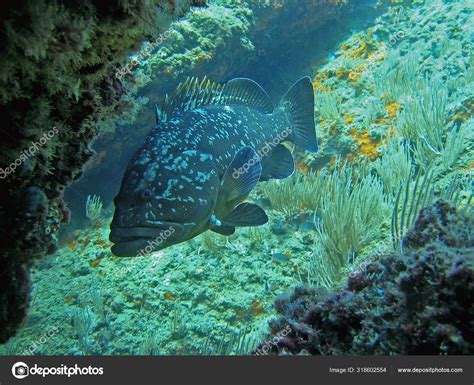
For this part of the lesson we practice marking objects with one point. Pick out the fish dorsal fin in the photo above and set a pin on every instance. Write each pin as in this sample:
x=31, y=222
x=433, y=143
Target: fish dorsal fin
x=190, y=94
x=194, y=93
x=158, y=115
x=247, y=92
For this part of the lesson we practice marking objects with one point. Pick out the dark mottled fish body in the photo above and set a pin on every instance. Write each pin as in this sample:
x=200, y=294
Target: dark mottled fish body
x=210, y=147
x=220, y=131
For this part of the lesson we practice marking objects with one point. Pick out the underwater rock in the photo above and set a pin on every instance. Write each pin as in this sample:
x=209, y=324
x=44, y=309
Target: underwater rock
x=421, y=302
x=30, y=235
x=15, y=298
x=57, y=85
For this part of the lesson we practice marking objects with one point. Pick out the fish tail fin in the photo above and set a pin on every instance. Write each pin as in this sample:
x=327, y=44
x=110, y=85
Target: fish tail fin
x=297, y=108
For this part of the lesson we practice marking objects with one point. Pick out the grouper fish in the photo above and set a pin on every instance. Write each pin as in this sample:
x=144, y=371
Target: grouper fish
x=211, y=145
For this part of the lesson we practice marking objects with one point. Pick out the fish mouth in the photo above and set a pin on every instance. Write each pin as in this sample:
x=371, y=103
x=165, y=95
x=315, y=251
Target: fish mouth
x=142, y=240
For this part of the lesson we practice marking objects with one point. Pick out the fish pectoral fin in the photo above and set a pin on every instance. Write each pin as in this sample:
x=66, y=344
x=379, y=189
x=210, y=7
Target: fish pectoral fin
x=224, y=230
x=279, y=165
x=242, y=174
x=246, y=214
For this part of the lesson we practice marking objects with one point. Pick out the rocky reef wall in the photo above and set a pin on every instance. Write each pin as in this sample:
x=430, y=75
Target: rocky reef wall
x=57, y=84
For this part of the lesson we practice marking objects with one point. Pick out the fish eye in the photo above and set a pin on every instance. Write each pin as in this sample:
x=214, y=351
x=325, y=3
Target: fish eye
x=145, y=195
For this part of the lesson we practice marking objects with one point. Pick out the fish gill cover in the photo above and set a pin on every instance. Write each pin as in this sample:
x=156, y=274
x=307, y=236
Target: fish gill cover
x=356, y=227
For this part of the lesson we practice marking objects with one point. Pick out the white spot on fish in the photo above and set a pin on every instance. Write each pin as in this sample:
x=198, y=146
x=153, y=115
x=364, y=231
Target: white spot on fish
x=201, y=177
x=204, y=157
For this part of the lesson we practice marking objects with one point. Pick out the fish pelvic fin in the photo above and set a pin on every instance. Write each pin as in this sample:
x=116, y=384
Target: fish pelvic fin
x=297, y=108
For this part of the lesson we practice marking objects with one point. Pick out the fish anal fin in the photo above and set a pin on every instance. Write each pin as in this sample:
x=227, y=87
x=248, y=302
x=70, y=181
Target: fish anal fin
x=278, y=165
